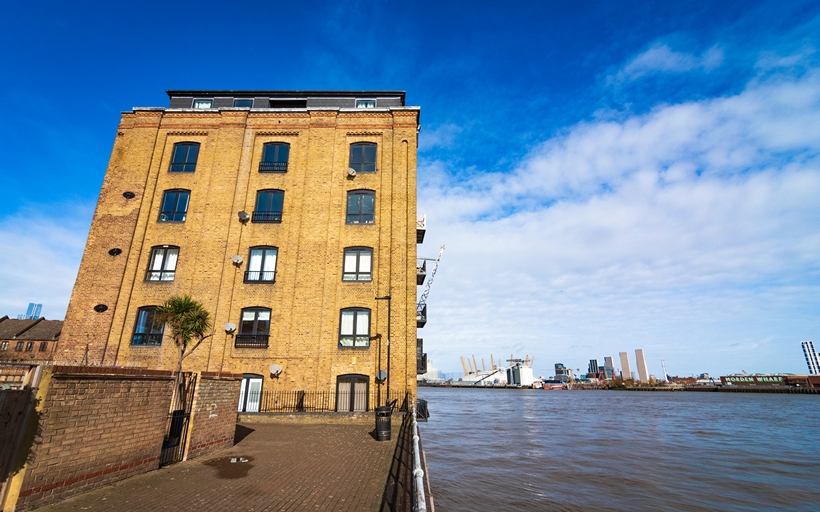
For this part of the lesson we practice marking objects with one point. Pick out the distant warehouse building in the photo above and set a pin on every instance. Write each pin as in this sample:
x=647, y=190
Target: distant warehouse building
x=776, y=379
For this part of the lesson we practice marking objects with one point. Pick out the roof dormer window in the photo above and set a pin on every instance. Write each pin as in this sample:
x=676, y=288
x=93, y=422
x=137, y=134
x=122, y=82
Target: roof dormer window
x=202, y=103
x=365, y=103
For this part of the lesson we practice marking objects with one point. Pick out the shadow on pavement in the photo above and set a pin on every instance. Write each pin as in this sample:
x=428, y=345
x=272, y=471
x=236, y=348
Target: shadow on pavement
x=241, y=433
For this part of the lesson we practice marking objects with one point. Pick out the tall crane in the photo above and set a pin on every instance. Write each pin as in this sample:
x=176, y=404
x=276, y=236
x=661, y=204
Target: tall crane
x=423, y=299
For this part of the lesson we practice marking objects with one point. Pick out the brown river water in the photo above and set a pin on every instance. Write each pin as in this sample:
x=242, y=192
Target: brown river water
x=511, y=450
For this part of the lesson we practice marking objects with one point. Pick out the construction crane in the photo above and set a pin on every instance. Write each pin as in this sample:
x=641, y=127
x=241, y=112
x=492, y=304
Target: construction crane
x=422, y=305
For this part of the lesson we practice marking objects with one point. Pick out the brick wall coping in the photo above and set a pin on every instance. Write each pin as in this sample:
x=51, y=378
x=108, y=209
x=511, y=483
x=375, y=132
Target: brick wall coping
x=221, y=375
x=101, y=372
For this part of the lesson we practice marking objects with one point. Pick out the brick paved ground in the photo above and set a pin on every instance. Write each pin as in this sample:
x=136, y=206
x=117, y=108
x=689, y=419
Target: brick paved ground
x=291, y=467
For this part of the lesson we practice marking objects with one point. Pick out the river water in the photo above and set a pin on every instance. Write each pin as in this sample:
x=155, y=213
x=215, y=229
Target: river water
x=507, y=449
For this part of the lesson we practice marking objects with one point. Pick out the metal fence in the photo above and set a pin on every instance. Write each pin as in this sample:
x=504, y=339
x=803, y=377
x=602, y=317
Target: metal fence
x=322, y=401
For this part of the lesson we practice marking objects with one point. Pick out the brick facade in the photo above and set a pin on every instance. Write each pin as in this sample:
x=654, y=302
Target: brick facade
x=213, y=419
x=308, y=293
x=96, y=426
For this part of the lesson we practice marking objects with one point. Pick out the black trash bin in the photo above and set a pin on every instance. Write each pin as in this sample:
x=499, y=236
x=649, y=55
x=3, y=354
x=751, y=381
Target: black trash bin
x=383, y=423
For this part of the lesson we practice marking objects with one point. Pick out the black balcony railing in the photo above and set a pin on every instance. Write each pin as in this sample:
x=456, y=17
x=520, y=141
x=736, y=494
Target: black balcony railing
x=421, y=273
x=251, y=341
x=160, y=275
x=273, y=167
x=421, y=316
x=256, y=276
x=259, y=216
x=152, y=340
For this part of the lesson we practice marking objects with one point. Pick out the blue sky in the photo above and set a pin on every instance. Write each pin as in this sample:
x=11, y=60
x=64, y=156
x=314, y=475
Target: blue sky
x=606, y=175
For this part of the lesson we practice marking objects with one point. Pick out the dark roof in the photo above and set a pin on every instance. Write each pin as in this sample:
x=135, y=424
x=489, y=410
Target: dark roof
x=40, y=329
x=288, y=94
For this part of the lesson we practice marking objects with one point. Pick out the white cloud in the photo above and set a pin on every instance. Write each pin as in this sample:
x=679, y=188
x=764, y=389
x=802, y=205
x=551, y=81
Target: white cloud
x=691, y=231
x=40, y=256
x=440, y=136
x=660, y=58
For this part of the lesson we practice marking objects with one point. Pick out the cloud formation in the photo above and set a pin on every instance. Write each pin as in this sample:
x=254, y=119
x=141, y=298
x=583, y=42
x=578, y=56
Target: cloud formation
x=692, y=229
x=660, y=58
x=41, y=256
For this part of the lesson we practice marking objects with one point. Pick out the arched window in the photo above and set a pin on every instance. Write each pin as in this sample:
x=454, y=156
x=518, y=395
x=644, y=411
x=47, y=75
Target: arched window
x=184, y=157
x=250, y=392
x=358, y=264
x=163, y=263
x=146, y=331
x=363, y=157
x=354, y=328
x=269, y=206
x=275, y=157
x=361, y=207
x=352, y=393
x=174, y=206
x=261, y=265
x=254, y=328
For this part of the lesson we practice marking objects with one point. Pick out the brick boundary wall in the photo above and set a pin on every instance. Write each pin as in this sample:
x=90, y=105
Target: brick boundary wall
x=213, y=418
x=97, y=425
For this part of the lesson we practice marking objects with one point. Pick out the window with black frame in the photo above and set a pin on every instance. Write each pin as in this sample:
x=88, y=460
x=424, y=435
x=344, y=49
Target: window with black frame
x=147, y=331
x=262, y=265
x=275, y=157
x=163, y=263
x=254, y=328
x=174, y=206
x=184, y=157
x=268, y=206
x=363, y=157
x=358, y=263
x=354, y=328
x=361, y=207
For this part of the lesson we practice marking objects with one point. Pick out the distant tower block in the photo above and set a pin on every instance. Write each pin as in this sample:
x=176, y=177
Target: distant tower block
x=625, y=365
x=640, y=361
x=812, y=359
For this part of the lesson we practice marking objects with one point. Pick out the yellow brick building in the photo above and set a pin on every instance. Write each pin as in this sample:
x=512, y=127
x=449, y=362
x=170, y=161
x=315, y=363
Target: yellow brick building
x=286, y=213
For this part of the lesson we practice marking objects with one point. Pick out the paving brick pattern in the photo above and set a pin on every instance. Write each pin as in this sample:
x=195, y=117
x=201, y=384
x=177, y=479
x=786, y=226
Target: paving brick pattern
x=290, y=467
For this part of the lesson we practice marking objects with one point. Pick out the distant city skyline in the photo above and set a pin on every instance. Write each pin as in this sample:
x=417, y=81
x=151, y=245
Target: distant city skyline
x=605, y=175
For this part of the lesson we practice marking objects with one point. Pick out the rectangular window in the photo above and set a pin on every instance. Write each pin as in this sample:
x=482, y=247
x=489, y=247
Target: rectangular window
x=254, y=329
x=43, y=346
x=243, y=103
x=363, y=157
x=354, y=328
x=261, y=265
x=29, y=346
x=4, y=345
x=275, y=157
x=163, y=263
x=147, y=331
x=19, y=346
x=268, y=206
x=357, y=264
x=174, y=206
x=361, y=205
x=203, y=103
x=365, y=103
x=184, y=157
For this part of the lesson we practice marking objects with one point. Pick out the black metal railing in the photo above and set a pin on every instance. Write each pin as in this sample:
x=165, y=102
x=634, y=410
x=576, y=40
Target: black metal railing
x=256, y=276
x=251, y=341
x=153, y=340
x=319, y=401
x=259, y=216
x=421, y=316
x=421, y=273
x=273, y=167
x=160, y=275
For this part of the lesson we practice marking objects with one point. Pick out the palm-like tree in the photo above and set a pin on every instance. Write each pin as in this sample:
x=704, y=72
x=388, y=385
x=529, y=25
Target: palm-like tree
x=189, y=321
